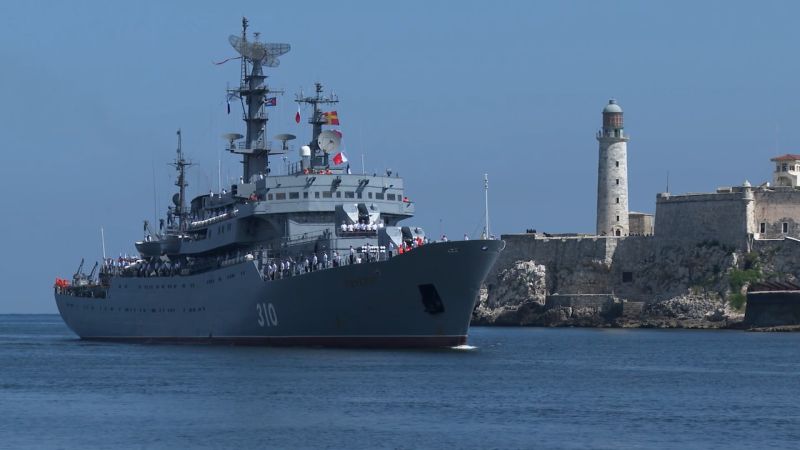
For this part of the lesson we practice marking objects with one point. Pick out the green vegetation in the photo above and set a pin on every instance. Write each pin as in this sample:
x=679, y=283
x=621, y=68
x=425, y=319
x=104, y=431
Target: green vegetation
x=737, y=279
x=751, y=261
x=737, y=300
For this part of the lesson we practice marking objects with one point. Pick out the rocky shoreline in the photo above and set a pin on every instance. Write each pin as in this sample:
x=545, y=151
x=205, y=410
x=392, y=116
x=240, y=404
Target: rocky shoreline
x=519, y=297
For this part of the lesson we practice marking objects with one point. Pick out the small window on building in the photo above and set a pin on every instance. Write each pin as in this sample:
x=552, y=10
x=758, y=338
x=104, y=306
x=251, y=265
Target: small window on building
x=762, y=228
x=616, y=163
x=338, y=194
x=369, y=194
x=305, y=194
x=327, y=194
x=617, y=218
x=349, y=194
x=785, y=227
x=617, y=181
x=627, y=277
x=783, y=168
x=316, y=194
x=379, y=196
x=390, y=196
x=617, y=199
x=280, y=196
x=269, y=196
x=294, y=195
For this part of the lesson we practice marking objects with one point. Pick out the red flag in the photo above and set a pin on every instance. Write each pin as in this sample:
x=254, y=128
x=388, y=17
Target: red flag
x=332, y=117
x=339, y=158
x=297, y=116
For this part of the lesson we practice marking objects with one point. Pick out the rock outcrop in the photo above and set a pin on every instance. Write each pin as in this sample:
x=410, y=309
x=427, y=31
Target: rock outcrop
x=520, y=290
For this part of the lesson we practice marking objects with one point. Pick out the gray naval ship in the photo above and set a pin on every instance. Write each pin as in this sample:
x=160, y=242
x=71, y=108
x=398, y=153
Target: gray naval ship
x=312, y=256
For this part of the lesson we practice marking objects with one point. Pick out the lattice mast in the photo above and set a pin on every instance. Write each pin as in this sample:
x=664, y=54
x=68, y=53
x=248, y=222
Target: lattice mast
x=252, y=92
x=317, y=120
x=180, y=165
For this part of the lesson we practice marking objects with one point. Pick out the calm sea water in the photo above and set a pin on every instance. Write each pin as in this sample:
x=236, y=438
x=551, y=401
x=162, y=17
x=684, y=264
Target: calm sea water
x=517, y=388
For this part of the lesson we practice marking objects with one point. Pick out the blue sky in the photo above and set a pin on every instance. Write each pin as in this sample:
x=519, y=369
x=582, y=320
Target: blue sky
x=440, y=92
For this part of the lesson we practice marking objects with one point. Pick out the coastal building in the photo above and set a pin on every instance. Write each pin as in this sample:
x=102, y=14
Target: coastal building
x=612, y=174
x=735, y=215
x=787, y=170
x=641, y=224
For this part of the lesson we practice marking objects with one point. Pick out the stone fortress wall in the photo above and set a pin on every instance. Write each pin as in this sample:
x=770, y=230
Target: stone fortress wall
x=722, y=216
x=682, y=271
x=774, y=208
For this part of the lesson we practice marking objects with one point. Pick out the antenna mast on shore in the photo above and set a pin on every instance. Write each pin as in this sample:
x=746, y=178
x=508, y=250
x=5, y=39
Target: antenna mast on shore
x=486, y=207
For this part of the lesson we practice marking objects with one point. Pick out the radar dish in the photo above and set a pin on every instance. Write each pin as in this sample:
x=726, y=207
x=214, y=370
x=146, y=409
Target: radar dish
x=329, y=141
x=285, y=137
x=265, y=53
x=230, y=137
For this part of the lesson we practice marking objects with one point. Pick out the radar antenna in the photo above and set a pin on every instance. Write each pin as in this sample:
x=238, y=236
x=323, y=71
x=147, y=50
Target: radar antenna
x=255, y=149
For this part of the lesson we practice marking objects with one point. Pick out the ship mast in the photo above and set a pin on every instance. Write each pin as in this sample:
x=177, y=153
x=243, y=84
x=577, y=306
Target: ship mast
x=180, y=165
x=252, y=90
x=317, y=120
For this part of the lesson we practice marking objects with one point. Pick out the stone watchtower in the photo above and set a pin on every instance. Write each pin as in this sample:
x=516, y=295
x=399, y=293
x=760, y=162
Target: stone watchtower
x=612, y=174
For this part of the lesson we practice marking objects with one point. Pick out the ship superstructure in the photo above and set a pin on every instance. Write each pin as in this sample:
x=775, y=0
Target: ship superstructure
x=314, y=255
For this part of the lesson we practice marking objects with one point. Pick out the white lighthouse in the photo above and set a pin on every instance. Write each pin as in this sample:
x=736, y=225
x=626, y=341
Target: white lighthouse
x=612, y=174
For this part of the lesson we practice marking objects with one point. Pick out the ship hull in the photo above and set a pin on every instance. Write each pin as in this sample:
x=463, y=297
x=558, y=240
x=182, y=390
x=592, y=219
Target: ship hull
x=423, y=298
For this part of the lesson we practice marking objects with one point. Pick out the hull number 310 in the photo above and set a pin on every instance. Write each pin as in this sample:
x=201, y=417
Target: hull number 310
x=267, y=317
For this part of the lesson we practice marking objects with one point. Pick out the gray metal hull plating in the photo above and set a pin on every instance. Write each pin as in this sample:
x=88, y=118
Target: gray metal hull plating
x=370, y=304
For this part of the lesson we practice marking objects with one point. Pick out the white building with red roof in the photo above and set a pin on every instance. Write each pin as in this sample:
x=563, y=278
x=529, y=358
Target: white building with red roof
x=787, y=170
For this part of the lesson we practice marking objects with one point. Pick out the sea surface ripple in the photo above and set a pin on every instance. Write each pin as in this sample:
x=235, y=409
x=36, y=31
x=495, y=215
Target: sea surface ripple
x=510, y=388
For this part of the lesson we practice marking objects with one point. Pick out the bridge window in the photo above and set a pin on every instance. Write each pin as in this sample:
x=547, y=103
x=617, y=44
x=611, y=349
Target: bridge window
x=316, y=194
x=326, y=194
x=350, y=194
x=294, y=195
x=269, y=196
x=379, y=195
x=390, y=196
x=305, y=194
x=280, y=196
x=338, y=194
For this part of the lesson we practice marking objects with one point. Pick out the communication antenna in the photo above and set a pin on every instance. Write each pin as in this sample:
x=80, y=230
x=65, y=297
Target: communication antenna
x=329, y=141
x=284, y=138
x=486, y=200
x=231, y=138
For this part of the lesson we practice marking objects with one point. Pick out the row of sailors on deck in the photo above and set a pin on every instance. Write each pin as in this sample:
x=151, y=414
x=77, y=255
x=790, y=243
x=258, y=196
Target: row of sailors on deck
x=289, y=267
x=361, y=227
x=206, y=214
x=132, y=267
